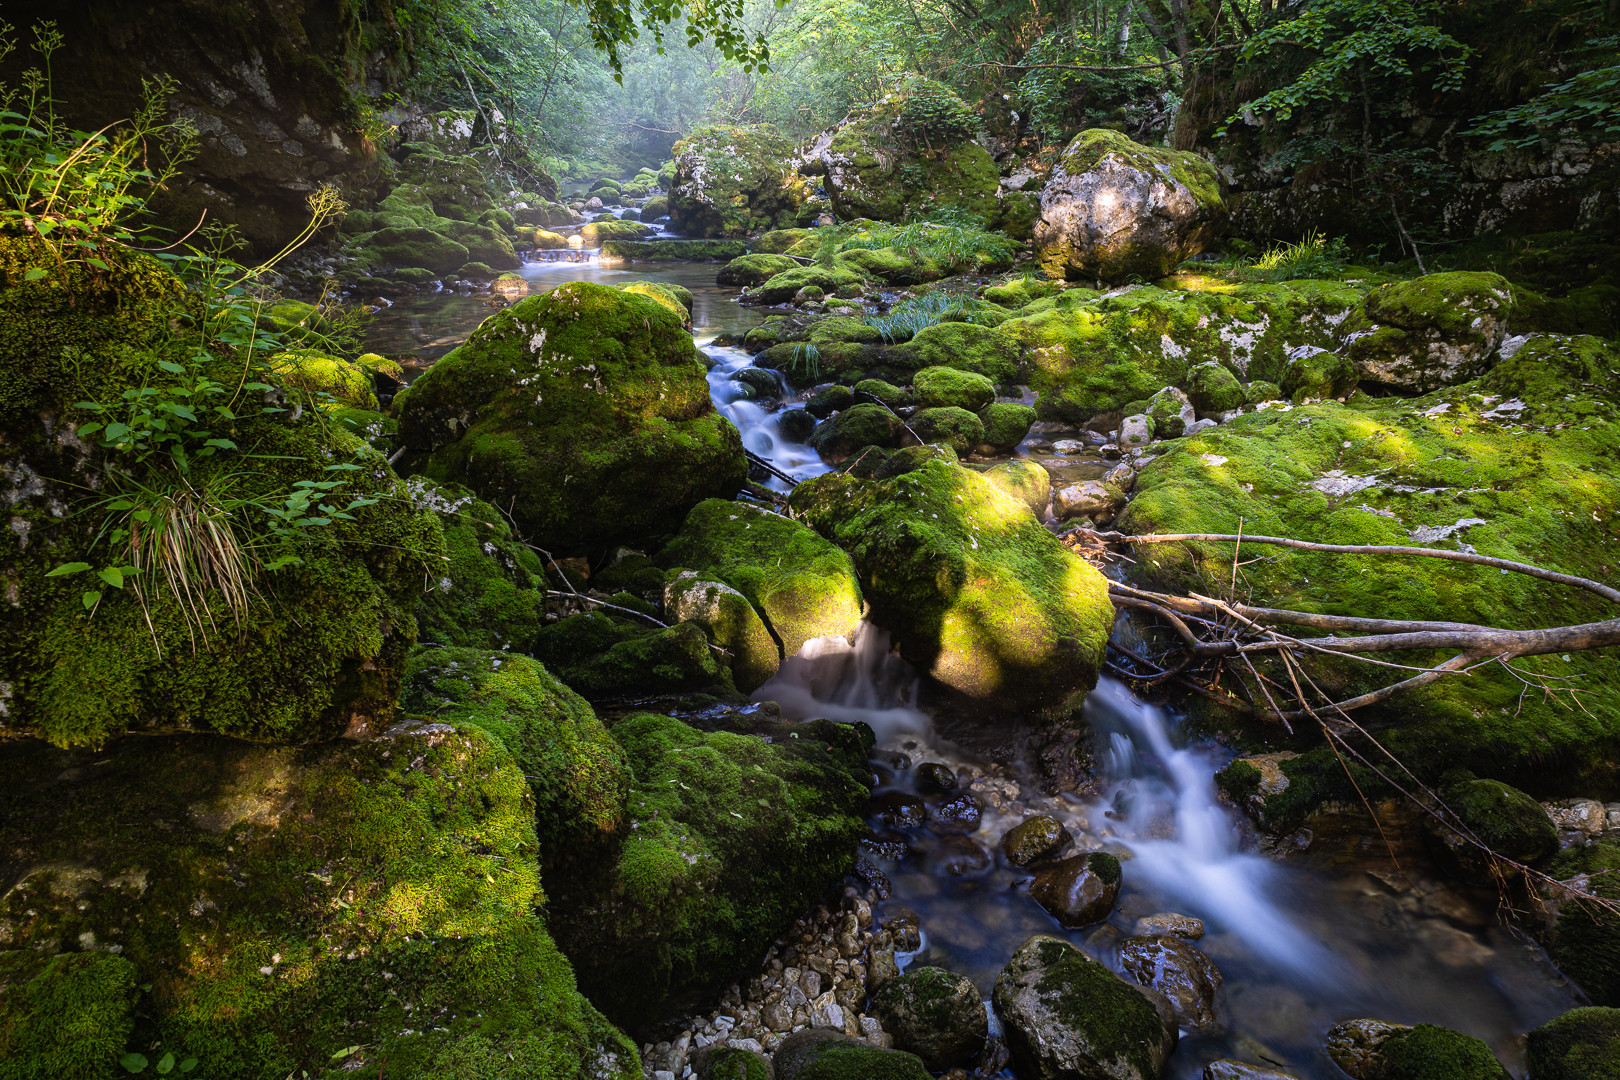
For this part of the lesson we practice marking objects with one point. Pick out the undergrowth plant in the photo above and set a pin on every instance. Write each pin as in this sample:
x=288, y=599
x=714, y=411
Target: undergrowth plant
x=916, y=313
x=956, y=247
x=1314, y=256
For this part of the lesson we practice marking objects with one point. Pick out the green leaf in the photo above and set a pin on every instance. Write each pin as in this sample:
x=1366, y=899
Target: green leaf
x=346, y=1051
x=89, y=600
x=283, y=561
x=345, y=467
x=133, y=1062
x=188, y=1064
x=34, y=275
x=69, y=568
x=166, y=1063
x=112, y=576
x=171, y=367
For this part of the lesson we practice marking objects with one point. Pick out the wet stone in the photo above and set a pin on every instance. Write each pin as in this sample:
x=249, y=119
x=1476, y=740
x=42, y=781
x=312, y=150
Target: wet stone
x=1228, y=1069
x=959, y=814
x=1080, y=890
x=959, y=856
x=932, y=776
x=1178, y=971
x=935, y=1014
x=898, y=810
x=1034, y=839
x=1165, y=922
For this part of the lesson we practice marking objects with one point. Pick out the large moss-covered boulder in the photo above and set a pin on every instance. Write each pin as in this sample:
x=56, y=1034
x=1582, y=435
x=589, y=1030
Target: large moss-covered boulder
x=974, y=590
x=578, y=775
x=754, y=269
x=911, y=154
x=607, y=654
x=981, y=350
x=291, y=910
x=1430, y=332
x=490, y=593
x=935, y=1014
x=732, y=623
x=949, y=426
x=803, y=586
x=731, y=836
x=829, y=279
x=938, y=387
x=418, y=246
x=321, y=637
x=1582, y=1044
x=731, y=181
x=1516, y=465
x=585, y=411
x=1067, y=1016
x=1503, y=818
x=854, y=429
x=1115, y=209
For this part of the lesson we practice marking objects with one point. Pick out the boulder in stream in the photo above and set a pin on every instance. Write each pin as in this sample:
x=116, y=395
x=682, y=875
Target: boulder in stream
x=935, y=1014
x=974, y=589
x=1034, y=839
x=1079, y=890
x=1183, y=974
x=732, y=181
x=1376, y=1050
x=585, y=411
x=1067, y=1017
x=1582, y=1044
x=821, y=1054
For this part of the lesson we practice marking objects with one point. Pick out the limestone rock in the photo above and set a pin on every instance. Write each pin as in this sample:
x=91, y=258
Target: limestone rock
x=731, y=181
x=934, y=1014
x=1430, y=332
x=1033, y=839
x=1175, y=969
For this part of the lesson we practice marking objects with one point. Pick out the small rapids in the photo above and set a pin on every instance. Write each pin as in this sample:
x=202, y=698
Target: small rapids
x=1303, y=943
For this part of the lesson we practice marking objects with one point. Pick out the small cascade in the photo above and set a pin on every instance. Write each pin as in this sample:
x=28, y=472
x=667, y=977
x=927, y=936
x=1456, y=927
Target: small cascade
x=760, y=427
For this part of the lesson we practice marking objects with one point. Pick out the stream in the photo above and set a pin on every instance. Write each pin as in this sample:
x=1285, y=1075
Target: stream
x=1333, y=931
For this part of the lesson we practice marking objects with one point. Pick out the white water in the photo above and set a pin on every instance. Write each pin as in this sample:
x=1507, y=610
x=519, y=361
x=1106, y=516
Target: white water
x=760, y=427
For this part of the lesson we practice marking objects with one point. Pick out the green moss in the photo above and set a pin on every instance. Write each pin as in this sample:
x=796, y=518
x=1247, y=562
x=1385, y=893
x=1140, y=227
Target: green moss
x=484, y=244
x=732, y=1063
x=1431, y=331
x=948, y=426
x=803, y=586
x=1006, y=423
x=856, y=427
x=1021, y=291
x=1428, y=1052
x=887, y=393
x=1536, y=476
x=733, y=181
x=1025, y=481
x=606, y=657
x=677, y=298
x=1213, y=389
x=842, y=329
x=830, y=399
x=596, y=233
x=415, y=246
x=1505, y=819
x=731, y=837
x=585, y=410
x=1582, y=1044
x=971, y=585
x=981, y=350
x=617, y=251
x=1239, y=781
x=753, y=269
x=1585, y=939
x=732, y=623
x=785, y=285
x=333, y=381
x=376, y=430
x=777, y=241
x=66, y=1016
x=284, y=904
x=943, y=387
x=579, y=776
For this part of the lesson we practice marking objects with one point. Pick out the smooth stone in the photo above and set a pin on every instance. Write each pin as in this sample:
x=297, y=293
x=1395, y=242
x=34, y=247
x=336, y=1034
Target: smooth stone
x=1034, y=838
x=1166, y=922
x=1178, y=971
x=932, y=776
x=935, y=1014
x=898, y=809
x=958, y=814
x=1080, y=890
x=1228, y=1069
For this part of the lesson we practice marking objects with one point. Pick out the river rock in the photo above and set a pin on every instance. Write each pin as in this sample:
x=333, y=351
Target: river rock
x=933, y=776
x=1585, y=816
x=944, y=387
x=1230, y=1069
x=935, y=1014
x=898, y=809
x=754, y=269
x=1115, y=209
x=733, y=181
x=975, y=591
x=1181, y=926
x=1027, y=481
x=1084, y=499
x=1505, y=819
x=959, y=856
x=801, y=585
x=584, y=411
x=1582, y=1044
x=1135, y=430
x=730, y=1063
x=1376, y=1050
x=955, y=813
x=1213, y=389
x=1171, y=412
x=731, y=622
x=1429, y=332
x=1175, y=969
x=1067, y=1017
x=1080, y=890
x=1033, y=839
x=852, y=430
x=821, y=1054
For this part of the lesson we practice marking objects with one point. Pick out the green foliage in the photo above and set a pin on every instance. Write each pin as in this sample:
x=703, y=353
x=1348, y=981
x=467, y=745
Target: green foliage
x=914, y=313
x=1314, y=256
x=1586, y=105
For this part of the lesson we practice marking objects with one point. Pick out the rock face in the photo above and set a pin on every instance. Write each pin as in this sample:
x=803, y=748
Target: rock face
x=1583, y=1044
x=731, y=181
x=1115, y=209
x=1080, y=890
x=934, y=1014
x=1178, y=971
x=585, y=410
x=1430, y=332
x=261, y=906
x=802, y=586
x=973, y=588
x=911, y=153
x=1069, y=1018
x=322, y=654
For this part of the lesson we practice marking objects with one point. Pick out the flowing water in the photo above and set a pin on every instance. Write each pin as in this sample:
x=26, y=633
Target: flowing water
x=1336, y=930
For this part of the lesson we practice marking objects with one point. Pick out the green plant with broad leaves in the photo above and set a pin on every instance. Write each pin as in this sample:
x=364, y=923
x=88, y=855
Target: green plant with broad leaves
x=165, y=1065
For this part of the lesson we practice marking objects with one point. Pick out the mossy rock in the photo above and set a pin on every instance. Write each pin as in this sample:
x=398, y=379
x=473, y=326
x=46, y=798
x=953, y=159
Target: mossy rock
x=1430, y=332
x=732, y=623
x=632, y=251
x=1503, y=818
x=1431, y=1052
x=981, y=350
x=67, y=1016
x=754, y=269
x=586, y=410
x=1315, y=374
x=477, y=271
x=1065, y=1014
x=677, y=298
x=885, y=393
x=935, y=1014
x=1026, y=481
x=842, y=329
x=1116, y=210
x=733, y=181
x=491, y=591
x=1213, y=389
x=824, y=1054
x=602, y=230
x=655, y=208
x=786, y=285
x=830, y=399
x=611, y=657
x=1583, y=938
x=365, y=886
x=421, y=247
x=948, y=426
x=816, y=594
x=854, y=429
x=331, y=381
x=500, y=219
x=1006, y=423
x=319, y=649
x=731, y=837
x=545, y=240
x=485, y=244
x=1582, y=1044
x=777, y=241
x=579, y=776
x=944, y=387
x=1021, y=291
x=378, y=431
x=975, y=591
x=1518, y=465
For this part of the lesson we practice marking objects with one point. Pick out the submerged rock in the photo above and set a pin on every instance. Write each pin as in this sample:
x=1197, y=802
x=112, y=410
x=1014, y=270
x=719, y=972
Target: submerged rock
x=934, y=1014
x=586, y=410
x=1069, y=1018
x=1034, y=839
x=973, y=588
x=1115, y=209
